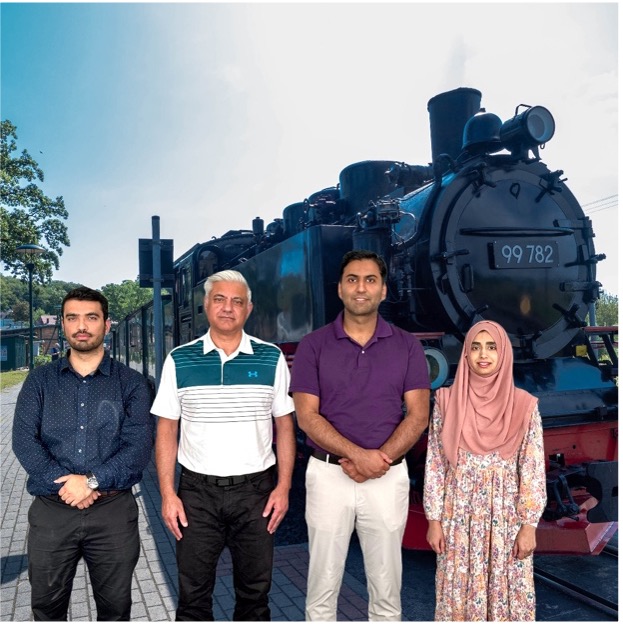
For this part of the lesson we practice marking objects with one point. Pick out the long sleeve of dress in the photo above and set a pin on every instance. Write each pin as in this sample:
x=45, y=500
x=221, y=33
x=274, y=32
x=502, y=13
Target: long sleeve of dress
x=435, y=471
x=531, y=471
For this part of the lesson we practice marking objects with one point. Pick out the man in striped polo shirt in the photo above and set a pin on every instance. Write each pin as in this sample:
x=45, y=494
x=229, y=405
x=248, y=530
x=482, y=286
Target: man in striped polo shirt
x=227, y=389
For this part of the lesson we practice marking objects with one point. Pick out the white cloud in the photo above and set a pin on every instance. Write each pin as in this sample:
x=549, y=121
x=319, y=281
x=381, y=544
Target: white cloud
x=229, y=111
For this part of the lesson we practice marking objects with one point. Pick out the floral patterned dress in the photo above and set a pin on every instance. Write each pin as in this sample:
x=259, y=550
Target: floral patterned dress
x=481, y=504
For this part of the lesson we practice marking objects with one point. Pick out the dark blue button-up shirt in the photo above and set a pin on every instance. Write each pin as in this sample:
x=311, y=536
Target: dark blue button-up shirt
x=66, y=423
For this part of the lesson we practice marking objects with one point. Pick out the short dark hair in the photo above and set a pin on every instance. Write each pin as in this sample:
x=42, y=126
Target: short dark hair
x=364, y=255
x=90, y=295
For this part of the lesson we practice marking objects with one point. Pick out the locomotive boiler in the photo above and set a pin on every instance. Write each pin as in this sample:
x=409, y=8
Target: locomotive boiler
x=485, y=231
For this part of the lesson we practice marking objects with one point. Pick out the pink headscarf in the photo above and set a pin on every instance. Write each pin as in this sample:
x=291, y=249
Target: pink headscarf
x=483, y=414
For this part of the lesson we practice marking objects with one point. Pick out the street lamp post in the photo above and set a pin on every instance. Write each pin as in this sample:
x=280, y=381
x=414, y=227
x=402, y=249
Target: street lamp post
x=59, y=308
x=30, y=252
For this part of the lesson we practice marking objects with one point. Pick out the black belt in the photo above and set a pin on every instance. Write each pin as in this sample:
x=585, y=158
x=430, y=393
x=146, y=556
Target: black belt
x=335, y=460
x=102, y=494
x=224, y=481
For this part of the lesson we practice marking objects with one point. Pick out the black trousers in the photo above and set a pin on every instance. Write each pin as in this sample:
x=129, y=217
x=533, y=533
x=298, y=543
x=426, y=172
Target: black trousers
x=220, y=516
x=105, y=534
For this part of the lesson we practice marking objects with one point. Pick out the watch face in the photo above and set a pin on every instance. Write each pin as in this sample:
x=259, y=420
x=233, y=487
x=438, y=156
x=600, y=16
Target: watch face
x=92, y=482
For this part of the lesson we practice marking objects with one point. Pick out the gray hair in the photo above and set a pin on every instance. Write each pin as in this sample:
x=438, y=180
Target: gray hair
x=226, y=276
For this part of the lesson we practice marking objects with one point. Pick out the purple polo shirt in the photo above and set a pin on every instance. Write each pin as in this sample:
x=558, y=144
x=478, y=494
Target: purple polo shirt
x=360, y=389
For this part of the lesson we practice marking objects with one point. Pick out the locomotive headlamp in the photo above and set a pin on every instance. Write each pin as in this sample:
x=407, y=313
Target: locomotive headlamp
x=528, y=130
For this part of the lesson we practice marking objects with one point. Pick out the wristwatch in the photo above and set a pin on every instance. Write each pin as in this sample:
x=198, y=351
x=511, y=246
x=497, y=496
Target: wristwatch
x=92, y=481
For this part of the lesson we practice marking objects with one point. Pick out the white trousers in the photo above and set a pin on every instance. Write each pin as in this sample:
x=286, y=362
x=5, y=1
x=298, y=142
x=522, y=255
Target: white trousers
x=377, y=509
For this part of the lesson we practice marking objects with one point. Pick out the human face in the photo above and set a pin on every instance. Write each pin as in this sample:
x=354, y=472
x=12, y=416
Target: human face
x=361, y=288
x=227, y=307
x=84, y=325
x=482, y=357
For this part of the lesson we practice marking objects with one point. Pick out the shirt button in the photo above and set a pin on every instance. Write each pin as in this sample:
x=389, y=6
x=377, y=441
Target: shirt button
x=82, y=404
x=84, y=381
x=80, y=450
x=81, y=427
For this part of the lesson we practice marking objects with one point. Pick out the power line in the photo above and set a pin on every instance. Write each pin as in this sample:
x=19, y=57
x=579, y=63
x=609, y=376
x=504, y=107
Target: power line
x=602, y=204
x=599, y=210
x=616, y=195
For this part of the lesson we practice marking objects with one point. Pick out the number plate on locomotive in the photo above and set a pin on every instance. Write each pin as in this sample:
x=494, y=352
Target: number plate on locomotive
x=513, y=254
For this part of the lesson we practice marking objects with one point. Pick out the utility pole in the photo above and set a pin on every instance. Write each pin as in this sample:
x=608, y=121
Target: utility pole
x=157, y=283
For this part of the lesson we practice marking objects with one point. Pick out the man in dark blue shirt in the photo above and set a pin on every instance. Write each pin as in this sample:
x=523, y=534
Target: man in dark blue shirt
x=84, y=434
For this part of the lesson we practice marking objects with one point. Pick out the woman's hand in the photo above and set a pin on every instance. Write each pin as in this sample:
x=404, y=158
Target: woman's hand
x=434, y=536
x=525, y=542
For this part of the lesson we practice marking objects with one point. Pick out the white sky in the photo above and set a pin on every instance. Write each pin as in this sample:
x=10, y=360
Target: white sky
x=209, y=115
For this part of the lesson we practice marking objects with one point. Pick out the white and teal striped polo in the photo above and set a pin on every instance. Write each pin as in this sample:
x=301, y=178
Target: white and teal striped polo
x=226, y=404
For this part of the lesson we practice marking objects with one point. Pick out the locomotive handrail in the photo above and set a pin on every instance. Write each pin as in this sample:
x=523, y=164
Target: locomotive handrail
x=429, y=335
x=600, y=330
x=607, y=334
x=609, y=331
x=516, y=230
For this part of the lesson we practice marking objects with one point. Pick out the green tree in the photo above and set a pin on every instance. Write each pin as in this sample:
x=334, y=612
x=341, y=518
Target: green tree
x=21, y=311
x=48, y=297
x=27, y=215
x=607, y=310
x=12, y=291
x=125, y=298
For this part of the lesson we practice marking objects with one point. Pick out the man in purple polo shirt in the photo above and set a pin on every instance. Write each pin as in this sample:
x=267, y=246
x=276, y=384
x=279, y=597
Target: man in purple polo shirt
x=361, y=391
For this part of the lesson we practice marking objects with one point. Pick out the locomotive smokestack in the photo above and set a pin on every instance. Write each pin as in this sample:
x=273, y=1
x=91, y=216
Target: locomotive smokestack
x=448, y=112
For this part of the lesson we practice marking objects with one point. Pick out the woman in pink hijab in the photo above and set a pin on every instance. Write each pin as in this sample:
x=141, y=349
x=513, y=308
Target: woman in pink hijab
x=484, y=486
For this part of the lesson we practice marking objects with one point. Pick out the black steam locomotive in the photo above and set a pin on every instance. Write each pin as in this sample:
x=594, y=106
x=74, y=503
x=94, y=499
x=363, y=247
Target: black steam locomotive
x=486, y=231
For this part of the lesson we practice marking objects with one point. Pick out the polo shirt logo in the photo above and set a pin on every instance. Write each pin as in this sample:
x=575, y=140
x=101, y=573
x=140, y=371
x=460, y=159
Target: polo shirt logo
x=252, y=374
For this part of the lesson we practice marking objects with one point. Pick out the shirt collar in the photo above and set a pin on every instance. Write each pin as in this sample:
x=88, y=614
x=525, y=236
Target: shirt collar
x=103, y=367
x=244, y=345
x=383, y=328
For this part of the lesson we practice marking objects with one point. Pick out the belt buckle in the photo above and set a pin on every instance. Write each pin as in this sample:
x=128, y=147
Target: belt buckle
x=224, y=481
